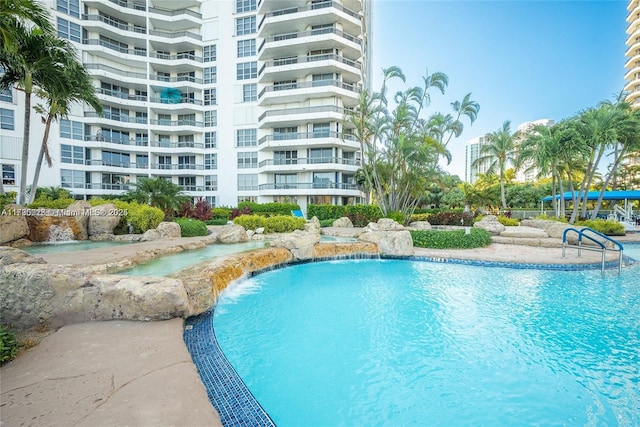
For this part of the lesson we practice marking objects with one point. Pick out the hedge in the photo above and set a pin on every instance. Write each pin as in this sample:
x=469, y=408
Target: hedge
x=274, y=224
x=455, y=239
x=192, y=227
x=269, y=209
x=8, y=345
x=610, y=228
x=48, y=203
x=141, y=217
x=451, y=218
x=360, y=215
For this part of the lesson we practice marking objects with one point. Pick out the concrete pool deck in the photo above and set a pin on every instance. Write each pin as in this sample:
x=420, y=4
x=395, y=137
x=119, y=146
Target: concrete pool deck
x=140, y=373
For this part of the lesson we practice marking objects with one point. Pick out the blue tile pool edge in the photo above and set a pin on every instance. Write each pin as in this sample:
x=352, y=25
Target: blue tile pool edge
x=230, y=396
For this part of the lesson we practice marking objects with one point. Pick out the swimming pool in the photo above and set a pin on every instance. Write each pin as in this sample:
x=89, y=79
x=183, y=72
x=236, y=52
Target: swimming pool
x=412, y=343
x=70, y=246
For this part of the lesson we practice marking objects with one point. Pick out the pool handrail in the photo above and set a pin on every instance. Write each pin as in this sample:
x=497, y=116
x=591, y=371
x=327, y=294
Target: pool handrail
x=603, y=247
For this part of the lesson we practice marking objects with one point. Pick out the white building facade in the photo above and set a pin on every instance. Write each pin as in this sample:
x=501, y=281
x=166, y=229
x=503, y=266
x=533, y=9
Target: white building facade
x=232, y=100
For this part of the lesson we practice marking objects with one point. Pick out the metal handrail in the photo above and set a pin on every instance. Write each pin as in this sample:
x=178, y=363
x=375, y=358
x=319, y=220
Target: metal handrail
x=602, y=246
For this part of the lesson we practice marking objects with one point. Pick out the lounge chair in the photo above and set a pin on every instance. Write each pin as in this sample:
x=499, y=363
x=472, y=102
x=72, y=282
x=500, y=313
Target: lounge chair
x=298, y=213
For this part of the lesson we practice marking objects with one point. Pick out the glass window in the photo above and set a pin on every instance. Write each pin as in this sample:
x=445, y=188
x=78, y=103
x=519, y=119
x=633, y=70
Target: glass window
x=211, y=118
x=285, y=157
x=68, y=30
x=70, y=7
x=71, y=178
x=8, y=175
x=6, y=94
x=210, y=75
x=209, y=53
x=245, y=5
x=321, y=130
x=112, y=158
x=210, y=139
x=246, y=48
x=210, y=97
x=211, y=161
x=249, y=92
x=186, y=162
x=247, y=70
x=142, y=161
x=286, y=181
x=211, y=199
x=247, y=182
x=211, y=184
x=71, y=130
x=6, y=119
x=247, y=160
x=245, y=25
x=252, y=199
x=71, y=154
x=320, y=155
x=280, y=134
x=246, y=138
x=322, y=179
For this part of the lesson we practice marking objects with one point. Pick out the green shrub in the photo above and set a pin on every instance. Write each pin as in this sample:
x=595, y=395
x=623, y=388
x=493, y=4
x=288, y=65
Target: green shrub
x=221, y=213
x=250, y=222
x=8, y=345
x=269, y=209
x=7, y=199
x=508, y=222
x=420, y=217
x=48, y=203
x=396, y=216
x=141, y=217
x=610, y=228
x=455, y=239
x=192, y=227
x=326, y=222
x=360, y=215
x=283, y=224
x=451, y=218
x=551, y=218
x=218, y=221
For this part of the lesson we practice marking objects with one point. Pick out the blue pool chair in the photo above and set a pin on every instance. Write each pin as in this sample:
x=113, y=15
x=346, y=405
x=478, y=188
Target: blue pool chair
x=298, y=214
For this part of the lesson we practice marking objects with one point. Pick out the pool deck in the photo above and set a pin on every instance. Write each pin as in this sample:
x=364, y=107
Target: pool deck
x=140, y=373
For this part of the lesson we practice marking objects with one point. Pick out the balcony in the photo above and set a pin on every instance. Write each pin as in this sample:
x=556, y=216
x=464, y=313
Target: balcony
x=119, y=141
x=112, y=70
x=175, y=34
x=308, y=139
x=299, y=43
x=315, y=188
x=175, y=101
x=292, y=116
x=116, y=50
x=117, y=117
x=289, y=68
x=164, y=144
x=120, y=95
x=106, y=186
x=299, y=18
x=113, y=164
x=172, y=123
x=178, y=57
x=300, y=91
x=119, y=26
x=181, y=166
x=312, y=163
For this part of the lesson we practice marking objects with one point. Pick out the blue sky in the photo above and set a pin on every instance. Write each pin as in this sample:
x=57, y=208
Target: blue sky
x=522, y=60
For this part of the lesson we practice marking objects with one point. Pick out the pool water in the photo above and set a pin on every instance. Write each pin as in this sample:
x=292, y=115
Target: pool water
x=70, y=246
x=168, y=264
x=393, y=342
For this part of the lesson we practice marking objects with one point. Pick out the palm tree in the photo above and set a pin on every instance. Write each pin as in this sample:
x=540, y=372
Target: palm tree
x=36, y=64
x=16, y=14
x=499, y=151
x=159, y=193
x=74, y=85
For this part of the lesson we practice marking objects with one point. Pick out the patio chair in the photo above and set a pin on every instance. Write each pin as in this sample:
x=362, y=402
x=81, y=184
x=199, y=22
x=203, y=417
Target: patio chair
x=298, y=214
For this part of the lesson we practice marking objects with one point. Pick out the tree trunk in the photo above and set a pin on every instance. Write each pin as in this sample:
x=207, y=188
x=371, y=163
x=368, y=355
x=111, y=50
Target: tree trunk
x=36, y=173
x=25, y=145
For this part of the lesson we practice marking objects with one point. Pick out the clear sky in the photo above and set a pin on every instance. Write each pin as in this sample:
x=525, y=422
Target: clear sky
x=521, y=60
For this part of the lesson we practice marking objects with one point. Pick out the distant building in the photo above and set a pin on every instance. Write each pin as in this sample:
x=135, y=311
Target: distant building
x=472, y=151
x=632, y=67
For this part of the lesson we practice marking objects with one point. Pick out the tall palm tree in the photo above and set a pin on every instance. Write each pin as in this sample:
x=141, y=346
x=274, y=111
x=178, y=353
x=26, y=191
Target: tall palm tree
x=21, y=13
x=499, y=151
x=74, y=85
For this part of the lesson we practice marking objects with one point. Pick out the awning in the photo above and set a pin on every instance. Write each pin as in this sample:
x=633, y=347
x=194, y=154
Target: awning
x=608, y=195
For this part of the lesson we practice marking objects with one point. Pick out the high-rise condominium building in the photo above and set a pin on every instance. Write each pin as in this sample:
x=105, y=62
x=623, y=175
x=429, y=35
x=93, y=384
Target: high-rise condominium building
x=232, y=100
x=632, y=54
x=473, y=151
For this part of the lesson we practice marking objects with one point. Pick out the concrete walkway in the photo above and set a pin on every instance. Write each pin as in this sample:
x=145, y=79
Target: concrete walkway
x=123, y=373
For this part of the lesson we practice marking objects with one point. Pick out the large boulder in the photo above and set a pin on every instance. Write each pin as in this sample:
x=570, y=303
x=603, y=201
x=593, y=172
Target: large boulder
x=232, y=233
x=47, y=225
x=103, y=219
x=150, y=235
x=300, y=243
x=421, y=225
x=491, y=224
x=524, y=232
x=169, y=230
x=384, y=224
x=12, y=227
x=10, y=256
x=313, y=225
x=343, y=222
x=554, y=229
x=390, y=242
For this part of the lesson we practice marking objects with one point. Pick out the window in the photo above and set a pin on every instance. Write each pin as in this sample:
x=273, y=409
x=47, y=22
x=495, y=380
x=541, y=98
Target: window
x=210, y=140
x=322, y=179
x=247, y=182
x=249, y=92
x=211, y=200
x=245, y=25
x=8, y=175
x=68, y=30
x=246, y=48
x=142, y=139
x=112, y=158
x=71, y=130
x=210, y=97
x=71, y=178
x=211, y=118
x=186, y=54
x=285, y=85
x=211, y=184
x=6, y=94
x=247, y=70
x=321, y=29
x=116, y=114
x=210, y=75
x=280, y=134
x=321, y=130
x=246, y=138
x=164, y=162
x=186, y=76
x=71, y=154
x=322, y=79
x=210, y=161
x=163, y=76
x=6, y=119
x=187, y=182
x=70, y=7
x=247, y=160
x=186, y=119
x=186, y=140
x=245, y=5
x=113, y=135
x=186, y=162
x=142, y=161
x=320, y=155
x=164, y=119
x=251, y=199
x=114, y=181
x=209, y=53
x=285, y=157
x=141, y=117
x=286, y=181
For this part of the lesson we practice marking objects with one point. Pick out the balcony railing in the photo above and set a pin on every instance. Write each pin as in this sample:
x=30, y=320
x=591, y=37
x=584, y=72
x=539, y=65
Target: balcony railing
x=183, y=100
x=309, y=186
x=305, y=135
x=179, y=56
x=180, y=166
x=114, y=23
x=114, y=70
x=305, y=85
x=161, y=78
x=119, y=141
x=315, y=6
x=163, y=144
x=105, y=186
x=310, y=58
x=117, y=48
x=175, y=34
x=130, y=4
x=310, y=161
x=310, y=33
x=162, y=122
x=192, y=188
x=115, y=164
x=118, y=117
x=120, y=94
x=177, y=12
x=304, y=110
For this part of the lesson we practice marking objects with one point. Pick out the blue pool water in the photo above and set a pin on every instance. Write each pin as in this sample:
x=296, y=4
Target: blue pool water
x=392, y=342
x=71, y=246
